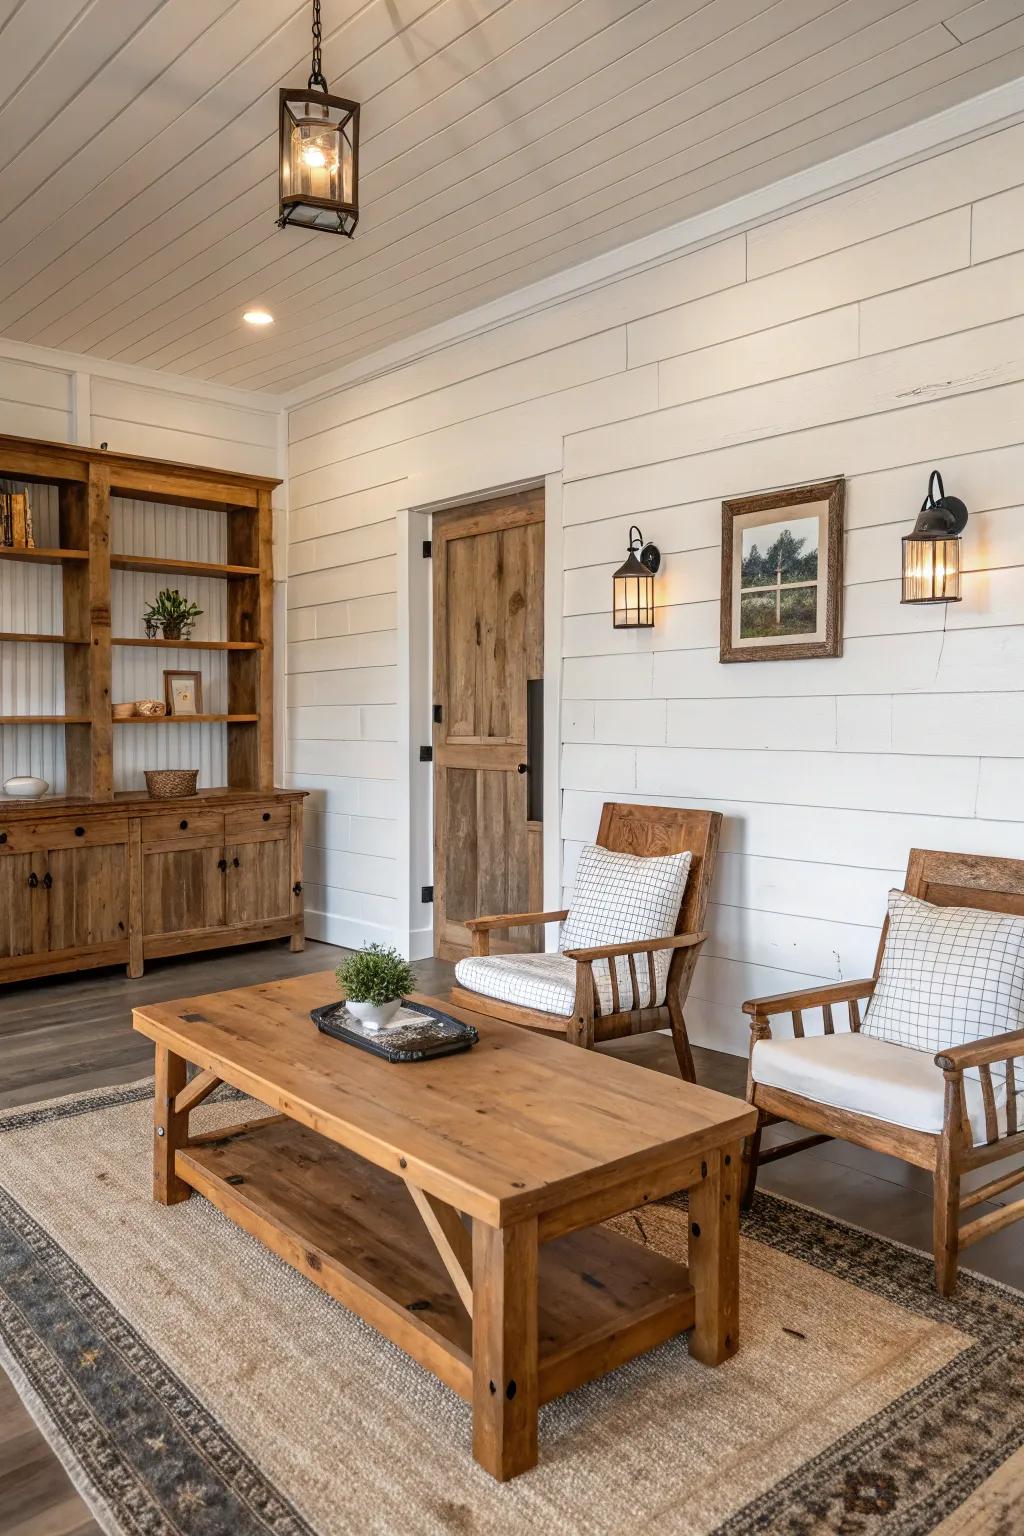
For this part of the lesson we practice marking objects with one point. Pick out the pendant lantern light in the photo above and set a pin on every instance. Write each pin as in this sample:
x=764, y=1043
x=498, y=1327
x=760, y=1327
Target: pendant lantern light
x=319, y=153
x=931, y=554
x=633, y=585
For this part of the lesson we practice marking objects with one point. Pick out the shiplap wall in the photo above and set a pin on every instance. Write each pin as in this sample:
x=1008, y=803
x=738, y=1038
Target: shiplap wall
x=39, y=401
x=871, y=334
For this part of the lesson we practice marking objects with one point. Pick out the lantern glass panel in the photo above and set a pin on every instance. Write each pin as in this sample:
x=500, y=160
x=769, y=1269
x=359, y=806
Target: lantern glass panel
x=931, y=570
x=633, y=601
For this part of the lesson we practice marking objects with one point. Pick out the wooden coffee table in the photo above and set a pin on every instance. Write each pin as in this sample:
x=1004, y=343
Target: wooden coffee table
x=360, y=1178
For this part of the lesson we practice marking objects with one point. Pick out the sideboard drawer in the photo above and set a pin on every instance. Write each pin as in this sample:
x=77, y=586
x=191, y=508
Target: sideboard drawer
x=176, y=828
x=67, y=832
x=257, y=823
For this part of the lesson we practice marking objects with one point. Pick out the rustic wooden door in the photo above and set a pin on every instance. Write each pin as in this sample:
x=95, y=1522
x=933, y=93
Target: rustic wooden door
x=488, y=676
x=88, y=896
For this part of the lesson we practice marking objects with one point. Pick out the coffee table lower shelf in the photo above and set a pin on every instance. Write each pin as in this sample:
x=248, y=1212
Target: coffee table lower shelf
x=353, y=1229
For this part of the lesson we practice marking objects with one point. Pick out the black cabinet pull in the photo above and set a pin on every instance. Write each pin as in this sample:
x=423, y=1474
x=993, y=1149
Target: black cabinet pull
x=235, y=862
x=266, y=815
x=222, y=865
x=79, y=831
x=183, y=825
x=297, y=888
x=47, y=880
x=522, y=768
x=33, y=880
x=3, y=837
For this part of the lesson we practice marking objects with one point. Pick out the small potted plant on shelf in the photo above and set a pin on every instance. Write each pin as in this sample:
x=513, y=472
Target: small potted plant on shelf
x=172, y=614
x=374, y=981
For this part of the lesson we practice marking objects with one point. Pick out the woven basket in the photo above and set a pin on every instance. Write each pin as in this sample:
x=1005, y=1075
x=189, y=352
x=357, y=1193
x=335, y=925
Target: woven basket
x=171, y=783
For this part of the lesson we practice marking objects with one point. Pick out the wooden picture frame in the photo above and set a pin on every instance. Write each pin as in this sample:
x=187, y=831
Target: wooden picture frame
x=772, y=620
x=173, y=697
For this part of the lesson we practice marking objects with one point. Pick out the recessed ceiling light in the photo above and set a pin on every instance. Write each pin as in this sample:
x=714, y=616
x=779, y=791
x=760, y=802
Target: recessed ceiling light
x=258, y=317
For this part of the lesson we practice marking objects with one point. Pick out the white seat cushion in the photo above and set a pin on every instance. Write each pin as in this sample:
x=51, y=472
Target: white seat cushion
x=544, y=982
x=888, y=1082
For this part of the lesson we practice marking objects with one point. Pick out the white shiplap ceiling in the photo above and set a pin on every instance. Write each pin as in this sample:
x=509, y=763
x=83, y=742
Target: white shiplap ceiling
x=502, y=141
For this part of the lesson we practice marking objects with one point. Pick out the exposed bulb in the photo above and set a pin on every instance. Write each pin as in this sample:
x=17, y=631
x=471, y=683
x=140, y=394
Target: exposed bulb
x=313, y=155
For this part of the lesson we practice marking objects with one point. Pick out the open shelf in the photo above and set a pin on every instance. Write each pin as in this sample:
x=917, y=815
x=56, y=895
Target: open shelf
x=43, y=556
x=186, y=719
x=189, y=645
x=173, y=567
x=17, y=634
x=45, y=720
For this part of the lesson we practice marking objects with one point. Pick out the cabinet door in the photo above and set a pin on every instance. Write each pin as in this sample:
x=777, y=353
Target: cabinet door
x=22, y=904
x=182, y=889
x=88, y=896
x=258, y=883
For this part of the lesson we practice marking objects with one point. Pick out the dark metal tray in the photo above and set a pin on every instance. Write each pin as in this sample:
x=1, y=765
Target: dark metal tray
x=438, y=1035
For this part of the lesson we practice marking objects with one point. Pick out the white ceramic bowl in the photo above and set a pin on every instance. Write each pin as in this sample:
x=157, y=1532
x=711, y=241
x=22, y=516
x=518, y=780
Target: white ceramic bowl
x=371, y=1016
x=25, y=788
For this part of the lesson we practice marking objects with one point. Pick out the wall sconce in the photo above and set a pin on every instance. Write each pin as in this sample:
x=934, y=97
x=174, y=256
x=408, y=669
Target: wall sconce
x=633, y=585
x=931, y=554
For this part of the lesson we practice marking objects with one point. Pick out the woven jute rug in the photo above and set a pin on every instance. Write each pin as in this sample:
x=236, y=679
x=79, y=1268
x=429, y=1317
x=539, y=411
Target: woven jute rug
x=193, y=1383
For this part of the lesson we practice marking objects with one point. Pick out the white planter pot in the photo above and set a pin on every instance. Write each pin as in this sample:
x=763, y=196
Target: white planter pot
x=26, y=788
x=371, y=1016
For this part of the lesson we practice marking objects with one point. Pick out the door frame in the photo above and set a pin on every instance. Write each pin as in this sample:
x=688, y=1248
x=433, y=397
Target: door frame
x=414, y=832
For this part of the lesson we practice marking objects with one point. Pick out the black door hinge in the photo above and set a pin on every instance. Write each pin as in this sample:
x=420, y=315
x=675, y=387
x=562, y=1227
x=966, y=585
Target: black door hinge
x=426, y=754
x=427, y=894
x=438, y=714
x=427, y=549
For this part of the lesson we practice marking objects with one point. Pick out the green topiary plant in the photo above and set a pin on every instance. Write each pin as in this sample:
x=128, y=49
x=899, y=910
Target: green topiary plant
x=376, y=975
x=171, y=613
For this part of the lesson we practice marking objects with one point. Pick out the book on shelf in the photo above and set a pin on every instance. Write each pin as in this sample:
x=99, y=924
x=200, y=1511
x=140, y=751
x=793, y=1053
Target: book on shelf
x=16, y=521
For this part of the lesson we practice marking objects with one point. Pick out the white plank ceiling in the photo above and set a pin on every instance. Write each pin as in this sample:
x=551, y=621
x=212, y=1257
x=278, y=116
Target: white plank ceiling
x=502, y=140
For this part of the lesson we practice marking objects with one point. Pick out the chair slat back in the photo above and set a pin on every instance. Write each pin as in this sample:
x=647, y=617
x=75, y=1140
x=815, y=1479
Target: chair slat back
x=966, y=880
x=650, y=830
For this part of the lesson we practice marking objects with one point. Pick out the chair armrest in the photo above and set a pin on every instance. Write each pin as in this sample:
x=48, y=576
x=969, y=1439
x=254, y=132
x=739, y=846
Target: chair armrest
x=638, y=947
x=982, y=1053
x=811, y=997
x=514, y=920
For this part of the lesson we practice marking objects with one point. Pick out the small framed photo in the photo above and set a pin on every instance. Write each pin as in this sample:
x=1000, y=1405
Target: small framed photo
x=782, y=574
x=183, y=692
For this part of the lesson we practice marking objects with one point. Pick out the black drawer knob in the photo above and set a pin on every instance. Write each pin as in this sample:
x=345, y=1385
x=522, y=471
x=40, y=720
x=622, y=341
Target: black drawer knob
x=3, y=837
x=222, y=865
x=183, y=825
x=266, y=815
x=522, y=767
x=79, y=831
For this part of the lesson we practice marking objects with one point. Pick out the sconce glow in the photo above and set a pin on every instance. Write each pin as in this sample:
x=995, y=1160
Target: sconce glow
x=931, y=554
x=633, y=585
x=258, y=317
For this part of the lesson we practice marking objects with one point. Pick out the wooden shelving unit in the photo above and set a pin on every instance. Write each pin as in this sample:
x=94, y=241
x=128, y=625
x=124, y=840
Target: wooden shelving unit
x=188, y=720
x=86, y=480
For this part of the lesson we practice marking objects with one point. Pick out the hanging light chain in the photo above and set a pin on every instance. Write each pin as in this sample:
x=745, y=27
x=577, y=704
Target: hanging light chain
x=317, y=76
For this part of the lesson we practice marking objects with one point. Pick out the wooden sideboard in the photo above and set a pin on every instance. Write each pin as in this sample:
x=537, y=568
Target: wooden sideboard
x=86, y=883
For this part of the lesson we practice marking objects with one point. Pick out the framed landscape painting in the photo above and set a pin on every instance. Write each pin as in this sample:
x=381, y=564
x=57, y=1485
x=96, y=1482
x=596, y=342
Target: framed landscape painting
x=782, y=574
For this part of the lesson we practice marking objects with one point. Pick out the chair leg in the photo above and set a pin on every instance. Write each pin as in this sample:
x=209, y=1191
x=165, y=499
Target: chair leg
x=946, y=1221
x=751, y=1153
x=680, y=1039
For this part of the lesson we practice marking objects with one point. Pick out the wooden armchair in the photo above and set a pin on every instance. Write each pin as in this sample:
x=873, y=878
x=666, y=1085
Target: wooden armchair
x=941, y=1121
x=647, y=831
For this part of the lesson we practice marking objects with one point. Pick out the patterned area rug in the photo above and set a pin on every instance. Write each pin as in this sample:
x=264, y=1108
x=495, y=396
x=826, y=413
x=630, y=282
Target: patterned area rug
x=194, y=1385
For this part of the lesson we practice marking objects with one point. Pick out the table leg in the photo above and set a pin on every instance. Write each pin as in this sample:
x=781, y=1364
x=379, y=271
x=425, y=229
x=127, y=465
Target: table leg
x=170, y=1131
x=714, y=1256
x=505, y=1347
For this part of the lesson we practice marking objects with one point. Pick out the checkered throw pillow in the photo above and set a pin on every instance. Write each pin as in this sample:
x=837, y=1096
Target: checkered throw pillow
x=948, y=975
x=621, y=897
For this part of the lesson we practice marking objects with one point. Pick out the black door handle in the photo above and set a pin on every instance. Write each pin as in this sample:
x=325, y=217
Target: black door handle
x=235, y=862
x=222, y=865
x=522, y=768
x=47, y=880
x=297, y=888
x=33, y=880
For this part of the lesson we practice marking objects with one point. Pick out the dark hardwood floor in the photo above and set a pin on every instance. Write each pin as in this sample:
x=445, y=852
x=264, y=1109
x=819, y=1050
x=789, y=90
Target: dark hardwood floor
x=62, y=1036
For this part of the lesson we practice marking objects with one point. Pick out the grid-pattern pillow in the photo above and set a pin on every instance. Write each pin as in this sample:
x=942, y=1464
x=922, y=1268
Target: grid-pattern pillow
x=948, y=975
x=622, y=897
